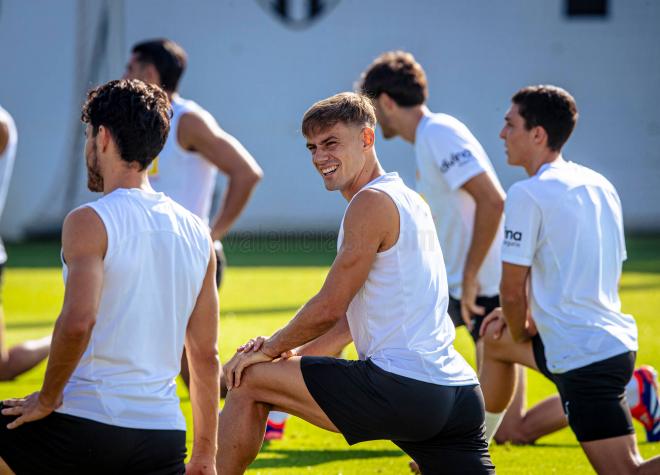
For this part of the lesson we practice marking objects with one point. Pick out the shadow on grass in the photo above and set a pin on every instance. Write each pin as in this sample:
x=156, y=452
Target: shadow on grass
x=35, y=324
x=307, y=457
x=259, y=310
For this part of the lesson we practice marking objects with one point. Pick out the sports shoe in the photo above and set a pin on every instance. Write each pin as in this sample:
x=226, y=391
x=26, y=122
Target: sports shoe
x=274, y=430
x=647, y=411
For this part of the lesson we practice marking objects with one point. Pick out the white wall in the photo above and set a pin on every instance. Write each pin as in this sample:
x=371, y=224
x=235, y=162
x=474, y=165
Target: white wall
x=258, y=77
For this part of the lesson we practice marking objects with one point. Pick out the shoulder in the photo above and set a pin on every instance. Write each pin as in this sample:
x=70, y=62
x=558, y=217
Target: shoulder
x=83, y=232
x=524, y=190
x=371, y=206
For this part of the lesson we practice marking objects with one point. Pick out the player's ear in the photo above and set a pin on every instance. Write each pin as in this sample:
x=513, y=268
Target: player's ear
x=539, y=135
x=103, y=137
x=385, y=101
x=368, y=137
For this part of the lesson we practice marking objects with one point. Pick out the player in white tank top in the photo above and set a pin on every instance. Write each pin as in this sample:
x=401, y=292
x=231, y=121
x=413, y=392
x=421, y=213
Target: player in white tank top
x=386, y=291
x=23, y=356
x=139, y=273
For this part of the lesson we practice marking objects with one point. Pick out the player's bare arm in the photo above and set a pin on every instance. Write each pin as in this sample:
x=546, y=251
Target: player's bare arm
x=371, y=225
x=489, y=201
x=84, y=243
x=513, y=294
x=230, y=157
x=202, y=349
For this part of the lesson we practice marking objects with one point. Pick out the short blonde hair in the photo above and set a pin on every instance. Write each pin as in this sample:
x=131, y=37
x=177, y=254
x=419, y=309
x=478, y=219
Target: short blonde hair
x=347, y=107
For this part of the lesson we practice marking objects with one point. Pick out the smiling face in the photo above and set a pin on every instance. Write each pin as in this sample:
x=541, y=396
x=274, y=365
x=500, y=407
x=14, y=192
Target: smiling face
x=338, y=154
x=519, y=142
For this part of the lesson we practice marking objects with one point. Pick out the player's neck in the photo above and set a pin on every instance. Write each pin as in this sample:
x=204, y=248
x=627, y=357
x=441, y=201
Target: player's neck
x=546, y=156
x=371, y=171
x=127, y=178
x=410, y=118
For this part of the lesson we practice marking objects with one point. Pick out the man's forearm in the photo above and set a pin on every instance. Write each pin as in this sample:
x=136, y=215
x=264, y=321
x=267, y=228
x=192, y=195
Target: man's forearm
x=515, y=313
x=311, y=321
x=330, y=343
x=239, y=190
x=67, y=347
x=204, y=397
x=486, y=224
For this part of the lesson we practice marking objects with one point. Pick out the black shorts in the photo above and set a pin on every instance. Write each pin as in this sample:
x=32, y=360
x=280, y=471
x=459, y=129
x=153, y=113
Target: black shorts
x=488, y=303
x=61, y=444
x=440, y=427
x=593, y=396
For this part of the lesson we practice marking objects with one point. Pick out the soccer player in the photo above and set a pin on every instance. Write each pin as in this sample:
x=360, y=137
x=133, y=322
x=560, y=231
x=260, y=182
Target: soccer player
x=386, y=291
x=196, y=148
x=24, y=356
x=454, y=176
x=564, y=241
x=140, y=283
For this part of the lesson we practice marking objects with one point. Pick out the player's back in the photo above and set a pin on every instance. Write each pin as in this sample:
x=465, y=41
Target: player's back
x=156, y=260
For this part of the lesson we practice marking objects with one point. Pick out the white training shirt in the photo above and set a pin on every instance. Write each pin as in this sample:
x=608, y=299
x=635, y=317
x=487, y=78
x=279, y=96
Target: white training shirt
x=6, y=166
x=399, y=319
x=185, y=176
x=154, y=267
x=566, y=223
x=447, y=156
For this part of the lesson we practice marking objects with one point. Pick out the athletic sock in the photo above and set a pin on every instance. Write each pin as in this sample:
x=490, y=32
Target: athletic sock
x=632, y=392
x=493, y=421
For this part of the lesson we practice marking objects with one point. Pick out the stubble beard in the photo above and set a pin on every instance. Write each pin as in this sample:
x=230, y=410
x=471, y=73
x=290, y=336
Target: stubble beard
x=94, y=178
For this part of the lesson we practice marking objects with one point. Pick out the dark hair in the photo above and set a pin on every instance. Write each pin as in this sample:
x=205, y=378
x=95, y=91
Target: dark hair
x=346, y=107
x=168, y=58
x=136, y=114
x=550, y=107
x=397, y=74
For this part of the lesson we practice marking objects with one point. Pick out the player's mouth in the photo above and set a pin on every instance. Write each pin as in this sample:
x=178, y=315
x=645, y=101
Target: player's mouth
x=327, y=171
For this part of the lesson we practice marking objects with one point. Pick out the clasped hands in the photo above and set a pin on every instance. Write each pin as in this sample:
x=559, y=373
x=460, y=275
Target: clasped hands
x=246, y=355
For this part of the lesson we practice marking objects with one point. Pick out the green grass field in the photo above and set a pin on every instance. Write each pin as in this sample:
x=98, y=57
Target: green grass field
x=267, y=281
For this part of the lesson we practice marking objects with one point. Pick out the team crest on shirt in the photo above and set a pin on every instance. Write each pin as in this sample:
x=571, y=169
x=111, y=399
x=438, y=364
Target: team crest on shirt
x=298, y=14
x=457, y=159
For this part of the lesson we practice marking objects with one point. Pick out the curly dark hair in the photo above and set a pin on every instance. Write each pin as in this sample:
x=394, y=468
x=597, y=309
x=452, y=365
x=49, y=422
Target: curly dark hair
x=136, y=114
x=550, y=107
x=397, y=74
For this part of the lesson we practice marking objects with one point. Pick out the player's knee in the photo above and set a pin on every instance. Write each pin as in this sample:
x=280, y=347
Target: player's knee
x=491, y=343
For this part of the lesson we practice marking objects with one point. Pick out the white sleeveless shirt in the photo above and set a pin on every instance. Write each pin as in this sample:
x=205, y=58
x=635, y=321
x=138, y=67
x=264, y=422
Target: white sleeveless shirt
x=6, y=166
x=399, y=319
x=154, y=267
x=185, y=176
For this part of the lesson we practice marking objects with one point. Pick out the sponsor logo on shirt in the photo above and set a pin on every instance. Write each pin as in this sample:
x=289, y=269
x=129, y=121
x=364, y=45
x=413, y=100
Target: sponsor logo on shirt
x=512, y=238
x=456, y=159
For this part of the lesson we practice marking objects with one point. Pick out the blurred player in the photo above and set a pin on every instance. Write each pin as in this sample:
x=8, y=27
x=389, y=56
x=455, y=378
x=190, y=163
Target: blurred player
x=196, y=148
x=386, y=291
x=457, y=180
x=564, y=240
x=140, y=283
x=24, y=356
